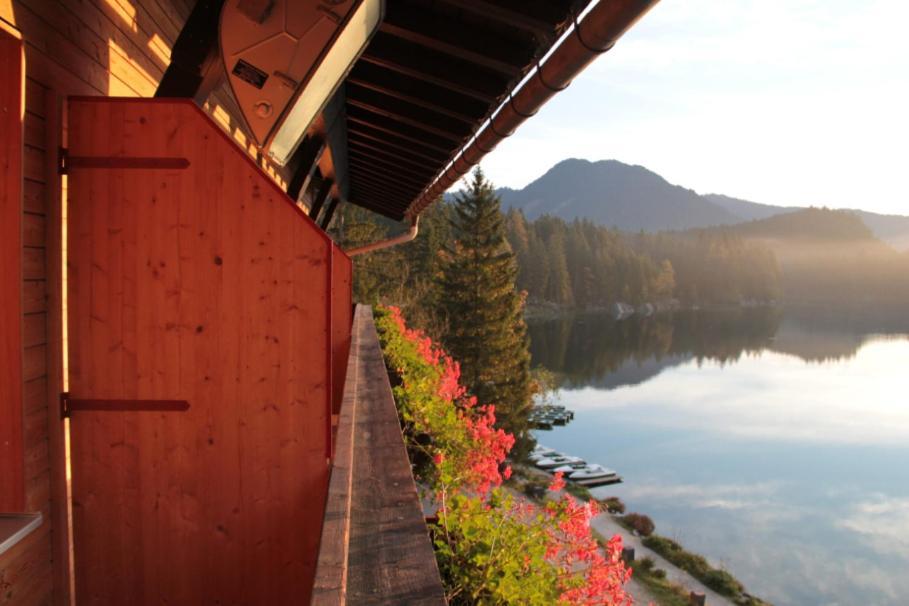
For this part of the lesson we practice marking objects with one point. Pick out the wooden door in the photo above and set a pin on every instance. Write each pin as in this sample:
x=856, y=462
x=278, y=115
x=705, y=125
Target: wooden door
x=200, y=364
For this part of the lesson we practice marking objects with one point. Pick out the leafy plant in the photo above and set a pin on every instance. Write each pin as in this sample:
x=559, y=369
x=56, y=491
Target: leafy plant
x=613, y=505
x=639, y=523
x=491, y=547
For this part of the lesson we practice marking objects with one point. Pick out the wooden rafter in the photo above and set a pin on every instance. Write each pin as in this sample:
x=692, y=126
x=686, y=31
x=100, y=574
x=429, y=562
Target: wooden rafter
x=436, y=67
x=365, y=131
x=417, y=135
x=482, y=47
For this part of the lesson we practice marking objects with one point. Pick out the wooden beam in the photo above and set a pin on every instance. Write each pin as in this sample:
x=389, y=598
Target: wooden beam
x=436, y=67
x=404, y=104
x=194, y=69
x=324, y=190
x=363, y=115
x=402, y=184
x=385, y=138
x=330, y=213
x=528, y=15
x=374, y=200
x=304, y=160
x=417, y=90
x=385, y=171
x=397, y=192
x=478, y=45
x=419, y=172
x=371, y=147
x=422, y=123
x=391, y=191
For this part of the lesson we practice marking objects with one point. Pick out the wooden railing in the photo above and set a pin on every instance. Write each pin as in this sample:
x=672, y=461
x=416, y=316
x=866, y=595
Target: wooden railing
x=375, y=548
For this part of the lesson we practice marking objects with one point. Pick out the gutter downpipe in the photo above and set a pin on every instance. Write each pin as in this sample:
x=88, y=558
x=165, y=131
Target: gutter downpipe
x=393, y=241
x=597, y=32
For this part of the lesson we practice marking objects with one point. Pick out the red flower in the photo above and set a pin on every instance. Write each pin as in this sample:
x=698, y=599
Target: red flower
x=558, y=483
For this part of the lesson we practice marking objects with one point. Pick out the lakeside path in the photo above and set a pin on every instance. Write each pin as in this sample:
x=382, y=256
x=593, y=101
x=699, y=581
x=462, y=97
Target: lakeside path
x=607, y=526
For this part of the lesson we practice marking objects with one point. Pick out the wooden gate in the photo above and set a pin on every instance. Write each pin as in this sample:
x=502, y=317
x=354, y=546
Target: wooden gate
x=200, y=342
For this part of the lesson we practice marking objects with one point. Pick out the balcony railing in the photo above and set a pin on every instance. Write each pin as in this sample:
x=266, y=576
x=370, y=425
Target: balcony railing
x=375, y=547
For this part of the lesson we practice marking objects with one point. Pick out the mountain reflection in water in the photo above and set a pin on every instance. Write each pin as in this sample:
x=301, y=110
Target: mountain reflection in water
x=775, y=442
x=596, y=350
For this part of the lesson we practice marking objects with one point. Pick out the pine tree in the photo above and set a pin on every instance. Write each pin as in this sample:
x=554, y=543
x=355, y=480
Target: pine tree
x=486, y=329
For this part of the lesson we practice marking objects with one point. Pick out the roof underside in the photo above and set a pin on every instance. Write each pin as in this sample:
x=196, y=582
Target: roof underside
x=431, y=76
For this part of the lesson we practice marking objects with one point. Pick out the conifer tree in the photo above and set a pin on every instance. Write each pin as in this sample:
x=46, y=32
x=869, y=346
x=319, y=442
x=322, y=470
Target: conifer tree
x=486, y=329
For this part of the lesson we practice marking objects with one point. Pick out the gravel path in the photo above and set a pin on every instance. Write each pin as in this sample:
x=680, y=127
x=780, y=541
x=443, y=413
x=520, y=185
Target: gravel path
x=607, y=526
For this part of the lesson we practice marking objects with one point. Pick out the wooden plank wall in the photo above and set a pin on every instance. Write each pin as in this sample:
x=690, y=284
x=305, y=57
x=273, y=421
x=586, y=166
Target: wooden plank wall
x=204, y=283
x=84, y=47
x=11, y=465
x=341, y=323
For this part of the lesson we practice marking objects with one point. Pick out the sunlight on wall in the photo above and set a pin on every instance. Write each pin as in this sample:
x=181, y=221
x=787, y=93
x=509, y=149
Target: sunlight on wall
x=221, y=116
x=64, y=364
x=142, y=84
x=160, y=48
x=126, y=12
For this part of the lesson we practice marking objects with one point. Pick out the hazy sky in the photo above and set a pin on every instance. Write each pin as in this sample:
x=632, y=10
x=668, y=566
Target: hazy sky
x=777, y=101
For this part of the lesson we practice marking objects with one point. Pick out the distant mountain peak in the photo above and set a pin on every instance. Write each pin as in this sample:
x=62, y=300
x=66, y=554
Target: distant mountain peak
x=633, y=198
x=613, y=193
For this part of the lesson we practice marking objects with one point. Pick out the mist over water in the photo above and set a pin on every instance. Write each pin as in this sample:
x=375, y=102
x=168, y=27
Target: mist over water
x=774, y=442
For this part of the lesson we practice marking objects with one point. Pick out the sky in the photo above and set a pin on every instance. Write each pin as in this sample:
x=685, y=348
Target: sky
x=790, y=102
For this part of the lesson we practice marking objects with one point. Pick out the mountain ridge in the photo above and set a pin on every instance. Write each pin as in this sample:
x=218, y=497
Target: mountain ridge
x=634, y=198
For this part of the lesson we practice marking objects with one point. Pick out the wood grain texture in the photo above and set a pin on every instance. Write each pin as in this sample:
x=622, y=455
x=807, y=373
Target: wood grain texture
x=12, y=77
x=205, y=284
x=25, y=571
x=330, y=585
x=342, y=317
x=377, y=549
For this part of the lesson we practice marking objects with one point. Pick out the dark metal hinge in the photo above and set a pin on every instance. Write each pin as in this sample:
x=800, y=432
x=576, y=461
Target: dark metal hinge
x=63, y=161
x=64, y=405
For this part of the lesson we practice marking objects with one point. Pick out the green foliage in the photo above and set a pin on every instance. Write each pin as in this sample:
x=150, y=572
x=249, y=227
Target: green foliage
x=403, y=275
x=489, y=556
x=613, y=504
x=584, y=265
x=491, y=548
x=697, y=566
x=637, y=522
x=654, y=579
x=483, y=311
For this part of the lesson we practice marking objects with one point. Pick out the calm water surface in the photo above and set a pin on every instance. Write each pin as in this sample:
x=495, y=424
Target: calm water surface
x=775, y=443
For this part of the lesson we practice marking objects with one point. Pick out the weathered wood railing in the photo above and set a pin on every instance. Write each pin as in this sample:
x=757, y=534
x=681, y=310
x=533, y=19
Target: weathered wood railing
x=375, y=548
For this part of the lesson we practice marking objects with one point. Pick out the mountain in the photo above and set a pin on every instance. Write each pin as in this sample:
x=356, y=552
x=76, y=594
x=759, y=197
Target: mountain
x=809, y=225
x=633, y=198
x=748, y=211
x=610, y=193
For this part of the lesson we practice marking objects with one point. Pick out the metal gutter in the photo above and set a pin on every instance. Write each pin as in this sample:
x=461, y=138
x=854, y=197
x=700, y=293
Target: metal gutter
x=596, y=33
x=382, y=244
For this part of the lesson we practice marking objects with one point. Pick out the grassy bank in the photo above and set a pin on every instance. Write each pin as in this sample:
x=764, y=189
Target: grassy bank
x=721, y=581
x=533, y=484
x=664, y=591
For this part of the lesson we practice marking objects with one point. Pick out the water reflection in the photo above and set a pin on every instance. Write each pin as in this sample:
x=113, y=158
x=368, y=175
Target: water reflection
x=776, y=443
x=595, y=349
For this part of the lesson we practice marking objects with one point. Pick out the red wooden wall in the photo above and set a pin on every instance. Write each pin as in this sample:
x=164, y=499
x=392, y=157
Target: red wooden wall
x=12, y=81
x=193, y=277
x=341, y=321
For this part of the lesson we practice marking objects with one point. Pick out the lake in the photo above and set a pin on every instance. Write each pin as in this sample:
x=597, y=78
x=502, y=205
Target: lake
x=775, y=443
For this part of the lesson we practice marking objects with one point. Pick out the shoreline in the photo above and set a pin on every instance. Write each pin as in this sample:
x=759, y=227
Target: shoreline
x=606, y=525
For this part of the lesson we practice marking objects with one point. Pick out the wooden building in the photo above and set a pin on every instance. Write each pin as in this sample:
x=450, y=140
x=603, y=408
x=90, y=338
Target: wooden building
x=186, y=393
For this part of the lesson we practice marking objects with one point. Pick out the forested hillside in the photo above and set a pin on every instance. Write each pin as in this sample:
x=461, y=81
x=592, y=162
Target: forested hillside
x=633, y=198
x=584, y=265
x=812, y=256
x=831, y=257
